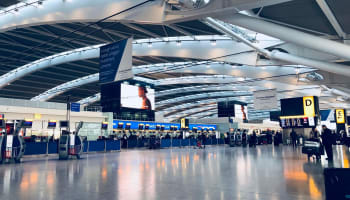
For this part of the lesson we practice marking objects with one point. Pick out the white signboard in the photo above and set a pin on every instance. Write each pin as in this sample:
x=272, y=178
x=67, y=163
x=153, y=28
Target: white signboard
x=311, y=121
x=265, y=100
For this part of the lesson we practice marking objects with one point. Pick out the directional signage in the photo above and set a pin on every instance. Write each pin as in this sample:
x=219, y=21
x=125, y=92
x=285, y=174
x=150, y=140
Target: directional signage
x=340, y=116
x=265, y=100
x=116, y=61
x=309, y=106
x=75, y=107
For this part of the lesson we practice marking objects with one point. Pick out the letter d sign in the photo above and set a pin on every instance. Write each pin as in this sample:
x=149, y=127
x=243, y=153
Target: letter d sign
x=309, y=107
x=308, y=102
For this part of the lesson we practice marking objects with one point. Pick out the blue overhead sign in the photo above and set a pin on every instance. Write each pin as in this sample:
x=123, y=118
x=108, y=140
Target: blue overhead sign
x=116, y=61
x=75, y=107
x=153, y=125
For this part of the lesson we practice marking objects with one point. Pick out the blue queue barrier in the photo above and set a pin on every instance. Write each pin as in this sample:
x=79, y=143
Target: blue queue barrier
x=176, y=143
x=208, y=142
x=185, y=142
x=112, y=145
x=132, y=144
x=97, y=145
x=165, y=143
x=35, y=148
x=52, y=147
x=193, y=142
x=142, y=142
x=221, y=141
x=86, y=146
x=214, y=141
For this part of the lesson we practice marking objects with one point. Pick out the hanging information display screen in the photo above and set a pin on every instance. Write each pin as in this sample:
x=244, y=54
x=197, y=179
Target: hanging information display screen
x=301, y=112
x=306, y=122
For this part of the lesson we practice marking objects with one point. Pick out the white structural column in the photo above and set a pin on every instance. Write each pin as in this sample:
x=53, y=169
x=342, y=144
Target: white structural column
x=326, y=66
x=220, y=27
x=331, y=18
x=289, y=35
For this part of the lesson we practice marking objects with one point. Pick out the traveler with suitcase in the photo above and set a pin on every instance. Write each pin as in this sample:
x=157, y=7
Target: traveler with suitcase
x=313, y=146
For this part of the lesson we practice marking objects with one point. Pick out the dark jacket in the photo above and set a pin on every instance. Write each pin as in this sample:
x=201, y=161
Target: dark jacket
x=327, y=137
x=293, y=135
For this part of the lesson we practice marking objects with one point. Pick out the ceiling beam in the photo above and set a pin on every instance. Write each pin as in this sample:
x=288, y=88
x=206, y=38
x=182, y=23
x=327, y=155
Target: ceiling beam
x=50, y=34
x=132, y=26
x=96, y=26
x=331, y=18
x=180, y=30
x=80, y=33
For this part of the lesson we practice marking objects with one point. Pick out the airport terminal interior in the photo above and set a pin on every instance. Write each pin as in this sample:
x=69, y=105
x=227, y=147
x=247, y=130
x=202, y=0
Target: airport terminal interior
x=174, y=99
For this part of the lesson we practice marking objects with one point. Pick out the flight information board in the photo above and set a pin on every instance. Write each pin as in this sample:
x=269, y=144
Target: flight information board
x=305, y=122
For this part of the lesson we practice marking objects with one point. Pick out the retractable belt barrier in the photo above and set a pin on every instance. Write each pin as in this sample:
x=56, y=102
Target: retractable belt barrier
x=39, y=148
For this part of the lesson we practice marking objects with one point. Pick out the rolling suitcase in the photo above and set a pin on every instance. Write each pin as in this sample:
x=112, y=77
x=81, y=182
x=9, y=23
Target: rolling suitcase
x=313, y=147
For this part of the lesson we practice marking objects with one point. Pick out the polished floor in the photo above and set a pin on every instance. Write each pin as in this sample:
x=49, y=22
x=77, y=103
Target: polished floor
x=265, y=172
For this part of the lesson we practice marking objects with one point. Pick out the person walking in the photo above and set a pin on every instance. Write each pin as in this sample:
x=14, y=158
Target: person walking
x=253, y=139
x=293, y=136
x=328, y=140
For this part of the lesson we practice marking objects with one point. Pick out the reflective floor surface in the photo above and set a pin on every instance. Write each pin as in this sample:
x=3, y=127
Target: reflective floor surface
x=260, y=173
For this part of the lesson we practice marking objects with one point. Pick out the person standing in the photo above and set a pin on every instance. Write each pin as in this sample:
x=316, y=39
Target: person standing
x=314, y=133
x=204, y=139
x=293, y=136
x=327, y=140
x=253, y=139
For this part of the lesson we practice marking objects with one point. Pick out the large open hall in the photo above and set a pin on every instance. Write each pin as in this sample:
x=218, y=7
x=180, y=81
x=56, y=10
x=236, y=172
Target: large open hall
x=174, y=99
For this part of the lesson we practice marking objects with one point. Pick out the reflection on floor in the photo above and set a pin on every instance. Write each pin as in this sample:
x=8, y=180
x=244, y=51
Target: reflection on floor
x=264, y=172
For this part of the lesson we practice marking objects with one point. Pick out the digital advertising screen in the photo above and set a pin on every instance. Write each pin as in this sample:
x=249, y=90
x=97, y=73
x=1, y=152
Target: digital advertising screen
x=241, y=112
x=137, y=97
